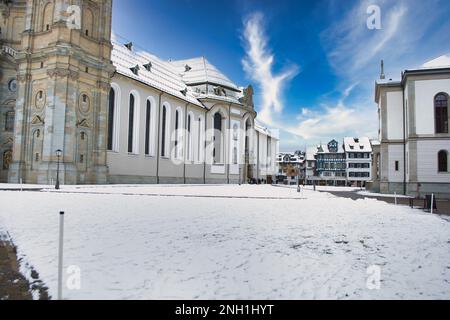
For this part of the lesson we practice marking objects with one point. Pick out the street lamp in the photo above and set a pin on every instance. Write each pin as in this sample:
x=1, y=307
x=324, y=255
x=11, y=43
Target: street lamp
x=58, y=155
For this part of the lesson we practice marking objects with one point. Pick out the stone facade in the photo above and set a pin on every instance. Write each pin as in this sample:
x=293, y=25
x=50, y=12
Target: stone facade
x=63, y=78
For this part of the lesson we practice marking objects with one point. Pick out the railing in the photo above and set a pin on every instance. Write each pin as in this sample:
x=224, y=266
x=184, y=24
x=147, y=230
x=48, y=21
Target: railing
x=9, y=50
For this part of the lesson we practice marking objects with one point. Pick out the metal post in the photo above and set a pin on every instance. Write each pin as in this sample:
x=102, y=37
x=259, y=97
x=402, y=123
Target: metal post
x=60, y=255
x=432, y=202
x=240, y=169
x=57, y=175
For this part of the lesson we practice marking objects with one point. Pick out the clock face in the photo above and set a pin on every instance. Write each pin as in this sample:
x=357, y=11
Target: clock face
x=12, y=85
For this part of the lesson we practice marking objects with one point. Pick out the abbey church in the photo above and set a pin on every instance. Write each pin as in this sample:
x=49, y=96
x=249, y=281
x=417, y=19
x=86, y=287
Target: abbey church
x=118, y=114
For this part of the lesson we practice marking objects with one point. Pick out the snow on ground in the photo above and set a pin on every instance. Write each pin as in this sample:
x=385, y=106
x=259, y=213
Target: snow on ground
x=158, y=247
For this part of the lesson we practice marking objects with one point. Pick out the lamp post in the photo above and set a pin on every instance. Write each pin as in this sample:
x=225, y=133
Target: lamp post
x=58, y=155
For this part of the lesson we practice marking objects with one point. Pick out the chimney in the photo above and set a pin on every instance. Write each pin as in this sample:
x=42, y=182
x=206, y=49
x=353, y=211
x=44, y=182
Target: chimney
x=382, y=76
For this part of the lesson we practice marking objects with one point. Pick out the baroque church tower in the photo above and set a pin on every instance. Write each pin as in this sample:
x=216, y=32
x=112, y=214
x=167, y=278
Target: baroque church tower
x=55, y=71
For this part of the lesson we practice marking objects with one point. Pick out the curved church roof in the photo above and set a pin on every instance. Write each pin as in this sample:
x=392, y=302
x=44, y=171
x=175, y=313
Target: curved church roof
x=151, y=71
x=200, y=70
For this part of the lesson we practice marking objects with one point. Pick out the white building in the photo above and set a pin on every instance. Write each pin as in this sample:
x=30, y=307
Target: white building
x=414, y=133
x=182, y=122
x=291, y=167
x=358, y=157
x=267, y=146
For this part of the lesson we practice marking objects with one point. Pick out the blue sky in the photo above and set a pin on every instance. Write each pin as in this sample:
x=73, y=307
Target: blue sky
x=313, y=63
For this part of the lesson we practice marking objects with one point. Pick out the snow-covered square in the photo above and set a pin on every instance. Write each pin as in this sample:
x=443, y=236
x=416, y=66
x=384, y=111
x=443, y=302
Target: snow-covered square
x=229, y=242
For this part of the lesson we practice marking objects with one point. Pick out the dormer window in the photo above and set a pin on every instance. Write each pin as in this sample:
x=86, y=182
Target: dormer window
x=135, y=70
x=129, y=46
x=148, y=66
x=184, y=92
x=187, y=68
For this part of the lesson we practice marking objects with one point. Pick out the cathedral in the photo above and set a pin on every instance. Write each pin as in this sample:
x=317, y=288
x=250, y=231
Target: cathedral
x=117, y=114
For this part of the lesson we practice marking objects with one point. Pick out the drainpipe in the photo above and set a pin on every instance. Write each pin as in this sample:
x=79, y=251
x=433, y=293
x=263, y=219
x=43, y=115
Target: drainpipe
x=204, y=146
x=229, y=144
x=257, y=155
x=404, y=142
x=158, y=141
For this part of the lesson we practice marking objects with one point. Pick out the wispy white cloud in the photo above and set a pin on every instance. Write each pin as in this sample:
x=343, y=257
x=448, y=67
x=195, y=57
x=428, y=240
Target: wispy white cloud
x=408, y=38
x=258, y=65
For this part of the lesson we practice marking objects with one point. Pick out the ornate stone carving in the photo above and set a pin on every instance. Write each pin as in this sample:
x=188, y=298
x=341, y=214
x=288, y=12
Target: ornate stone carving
x=62, y=73
x=83, y=124
x=105, y=86
x=247, y=99
x=24, y=77
x=40, y=100
x=8, y=142
x=84, y=103
x=37, y=120
x=7, y=159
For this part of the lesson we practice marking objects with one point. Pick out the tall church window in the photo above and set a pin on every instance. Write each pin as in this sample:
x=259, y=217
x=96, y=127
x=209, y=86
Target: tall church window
x=9, y=121
x=189, y=138
x=443, y=161
x=217, y=151
x=441, y=113
x=47, y=17
x=88, y=23
x=200, y=141
x=147, y=127
x=131, y=123
x=163, y=131
x=177, y=123
x=112, y=102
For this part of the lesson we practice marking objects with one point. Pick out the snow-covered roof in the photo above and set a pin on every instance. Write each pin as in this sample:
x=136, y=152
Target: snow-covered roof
x=162, y=75
x=357, y=144
x=323, y=149
x=290, y=157
x=440, y=62
x=310, y=153
x=200, y=70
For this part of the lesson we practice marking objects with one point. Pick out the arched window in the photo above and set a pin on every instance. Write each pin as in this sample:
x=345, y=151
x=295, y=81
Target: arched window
x=88, y=23
x=47, y=17
x=177, y=123
x=147, y=127
x=217, y=151
x=200, y=140
x=443, y=161
x=441, y=113
x=189, y=138
x=163, y=131
x=112, y=103
x=131, y=123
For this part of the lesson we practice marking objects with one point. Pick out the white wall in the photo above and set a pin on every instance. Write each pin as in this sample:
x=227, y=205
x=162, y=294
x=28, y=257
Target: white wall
x=395, y=154
x=426, y=90
x=394, y=115
x=427, y=160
